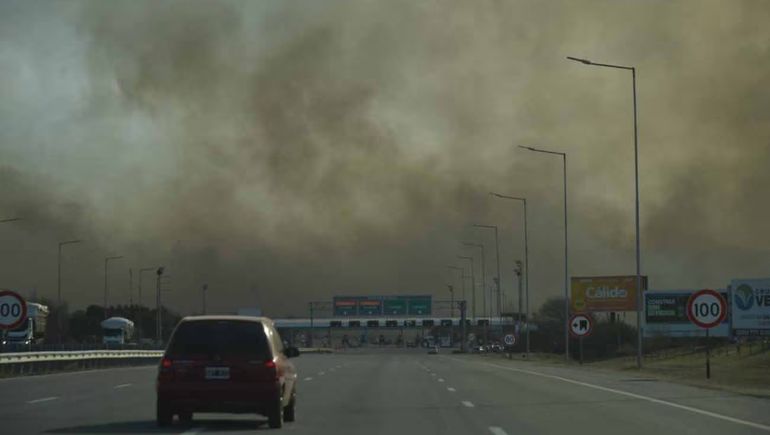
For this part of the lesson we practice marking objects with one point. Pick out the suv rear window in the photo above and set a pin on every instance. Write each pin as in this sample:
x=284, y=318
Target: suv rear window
x=225, y=338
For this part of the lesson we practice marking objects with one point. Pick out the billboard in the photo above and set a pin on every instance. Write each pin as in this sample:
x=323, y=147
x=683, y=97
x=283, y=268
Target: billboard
x=346, y=306
x=750, y=306
x=369, y=307
x=666, y=315
x=604, y=293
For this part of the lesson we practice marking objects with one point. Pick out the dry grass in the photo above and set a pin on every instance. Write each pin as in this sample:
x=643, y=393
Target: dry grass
x=743, y=373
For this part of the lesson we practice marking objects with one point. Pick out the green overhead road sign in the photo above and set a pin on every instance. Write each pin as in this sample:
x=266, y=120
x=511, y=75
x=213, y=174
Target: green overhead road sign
x=420, y=305
x=395, y=307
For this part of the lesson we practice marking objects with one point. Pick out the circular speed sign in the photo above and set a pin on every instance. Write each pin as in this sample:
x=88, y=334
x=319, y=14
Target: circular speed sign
x=706, y=308
x=510, y=339
x=13, y=309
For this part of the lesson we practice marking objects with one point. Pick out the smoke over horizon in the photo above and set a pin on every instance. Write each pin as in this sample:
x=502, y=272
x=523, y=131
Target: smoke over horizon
x=284, y=152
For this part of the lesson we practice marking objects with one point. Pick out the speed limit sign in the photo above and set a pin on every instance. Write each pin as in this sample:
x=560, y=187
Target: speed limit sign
x=706, y=308
x=13, y=309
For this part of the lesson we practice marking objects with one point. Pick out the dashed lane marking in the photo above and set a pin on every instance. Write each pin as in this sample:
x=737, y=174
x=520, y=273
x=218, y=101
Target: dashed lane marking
x=468, y=404
x=44, y=399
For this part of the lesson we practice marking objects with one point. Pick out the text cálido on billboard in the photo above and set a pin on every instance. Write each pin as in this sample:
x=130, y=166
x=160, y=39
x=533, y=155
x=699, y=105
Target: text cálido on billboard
x=605, y=293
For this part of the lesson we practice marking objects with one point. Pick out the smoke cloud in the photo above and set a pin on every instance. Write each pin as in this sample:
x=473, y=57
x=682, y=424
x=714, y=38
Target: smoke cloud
x=284, y=152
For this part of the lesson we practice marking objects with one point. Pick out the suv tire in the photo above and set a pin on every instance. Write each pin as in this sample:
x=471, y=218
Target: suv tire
x=163, y=414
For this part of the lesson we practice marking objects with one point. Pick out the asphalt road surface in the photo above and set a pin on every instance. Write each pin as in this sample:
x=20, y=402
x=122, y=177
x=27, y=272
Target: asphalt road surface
x=399, y=393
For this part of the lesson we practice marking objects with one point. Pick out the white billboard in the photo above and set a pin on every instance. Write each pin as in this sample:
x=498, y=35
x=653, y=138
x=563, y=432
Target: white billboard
x=750, y=301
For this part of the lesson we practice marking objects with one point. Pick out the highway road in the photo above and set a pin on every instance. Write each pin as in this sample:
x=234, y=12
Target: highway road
x=399, y=393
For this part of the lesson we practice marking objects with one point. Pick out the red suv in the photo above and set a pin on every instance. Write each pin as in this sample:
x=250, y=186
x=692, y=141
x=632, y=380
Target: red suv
x=234, y=364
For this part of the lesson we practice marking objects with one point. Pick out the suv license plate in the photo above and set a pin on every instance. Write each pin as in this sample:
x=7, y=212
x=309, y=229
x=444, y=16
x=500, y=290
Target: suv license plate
x=217, y=372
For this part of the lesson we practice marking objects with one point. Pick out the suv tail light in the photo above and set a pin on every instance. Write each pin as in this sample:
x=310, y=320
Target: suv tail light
x=166, y=370
x=272, y=369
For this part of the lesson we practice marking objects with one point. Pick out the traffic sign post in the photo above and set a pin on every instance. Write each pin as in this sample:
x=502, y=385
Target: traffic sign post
x=510, y=341
x=707, y=309
x=580, y=325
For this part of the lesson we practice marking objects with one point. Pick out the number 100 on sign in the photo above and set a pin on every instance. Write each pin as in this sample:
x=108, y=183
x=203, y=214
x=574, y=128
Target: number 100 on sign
x=706, y=308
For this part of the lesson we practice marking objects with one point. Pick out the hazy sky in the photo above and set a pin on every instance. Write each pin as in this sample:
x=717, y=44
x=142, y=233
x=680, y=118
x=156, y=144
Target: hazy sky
x=288, y=151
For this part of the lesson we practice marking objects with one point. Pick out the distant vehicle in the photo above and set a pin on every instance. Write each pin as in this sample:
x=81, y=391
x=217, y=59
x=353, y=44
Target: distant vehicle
x=117, y=330
x=433, y=350
x=232, y=364
x=32, y=331
x=253, y=312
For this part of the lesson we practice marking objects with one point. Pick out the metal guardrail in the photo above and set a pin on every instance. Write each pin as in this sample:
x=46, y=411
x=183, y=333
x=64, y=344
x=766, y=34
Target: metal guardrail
x=21, y=357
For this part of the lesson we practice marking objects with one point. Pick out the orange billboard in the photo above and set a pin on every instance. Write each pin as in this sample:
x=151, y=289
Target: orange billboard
x=604, y=293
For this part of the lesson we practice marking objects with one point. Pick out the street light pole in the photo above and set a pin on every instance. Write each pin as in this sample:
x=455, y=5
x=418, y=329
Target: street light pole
x=497, y=255
x=483, y=274
x=205, y=289
x=451, y=301
x=473, y=283
x=636, y=186
x=58, y=288
x=158, y=324
x=462, y=280
x=141, y=271
x=566, y=247
x=526, y=260
x=106, y=282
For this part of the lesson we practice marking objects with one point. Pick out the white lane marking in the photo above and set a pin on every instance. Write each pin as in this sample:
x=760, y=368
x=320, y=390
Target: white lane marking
x=331, y=369
x=440, y=380
x=308, y=378
x=433, y=374
x=195, y=431
x=451, y=389
x=44, y=399
x=321, y=373
x=121, y=386
x=636, y=396
x=497, y=430
x=467, y=404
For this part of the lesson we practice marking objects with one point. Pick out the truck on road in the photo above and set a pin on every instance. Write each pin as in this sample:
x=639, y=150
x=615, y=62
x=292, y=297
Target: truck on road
x=117, y=330
x=31, y=331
